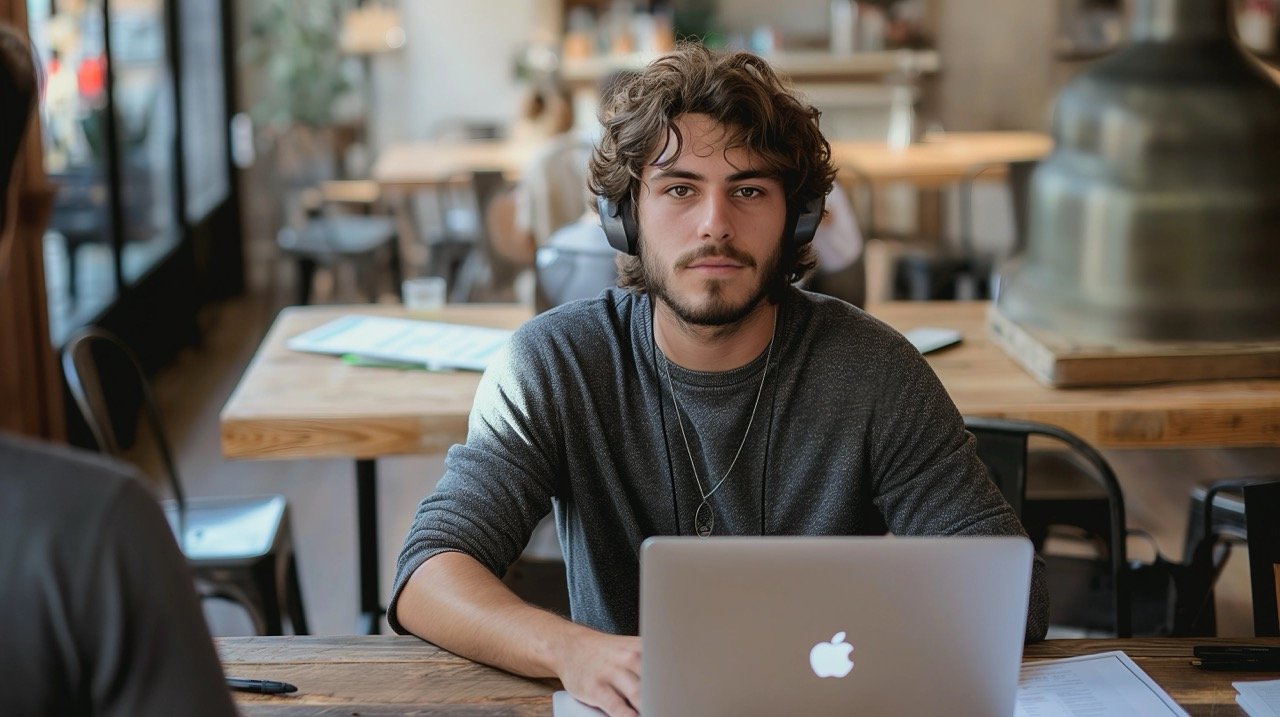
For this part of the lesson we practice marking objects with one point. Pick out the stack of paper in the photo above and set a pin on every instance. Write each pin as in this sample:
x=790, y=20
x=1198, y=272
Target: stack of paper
x=1259, y=698
x=430, y=344
x=1101, y=685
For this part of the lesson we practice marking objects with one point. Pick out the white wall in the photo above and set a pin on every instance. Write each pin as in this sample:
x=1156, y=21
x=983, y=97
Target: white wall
x=998, y=67
x=457, y=62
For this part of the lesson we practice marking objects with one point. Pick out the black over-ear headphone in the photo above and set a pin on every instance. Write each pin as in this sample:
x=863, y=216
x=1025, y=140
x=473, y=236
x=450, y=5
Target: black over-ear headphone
x=619, y=222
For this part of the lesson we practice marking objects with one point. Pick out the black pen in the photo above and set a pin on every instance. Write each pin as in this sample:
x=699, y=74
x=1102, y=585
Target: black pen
x=1250, y=652
x=262, y=687
x=1242, y=665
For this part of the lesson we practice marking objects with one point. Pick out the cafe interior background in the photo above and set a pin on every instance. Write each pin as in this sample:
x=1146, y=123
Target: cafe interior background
x=186, y=146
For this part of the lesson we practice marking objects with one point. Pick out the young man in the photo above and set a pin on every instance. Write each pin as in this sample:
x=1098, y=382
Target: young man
x=98, y=615
x=708, y=397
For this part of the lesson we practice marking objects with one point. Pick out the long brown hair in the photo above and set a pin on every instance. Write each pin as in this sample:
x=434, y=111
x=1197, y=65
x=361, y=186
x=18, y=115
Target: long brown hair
x=17, y=98
x=741, y=92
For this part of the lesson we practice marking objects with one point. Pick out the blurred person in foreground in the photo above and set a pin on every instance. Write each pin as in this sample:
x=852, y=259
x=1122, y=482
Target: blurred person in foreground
x=706, y=396
x=98, y=614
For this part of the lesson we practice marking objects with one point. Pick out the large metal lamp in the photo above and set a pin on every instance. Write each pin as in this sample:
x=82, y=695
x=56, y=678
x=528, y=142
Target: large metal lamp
x=1157, y=217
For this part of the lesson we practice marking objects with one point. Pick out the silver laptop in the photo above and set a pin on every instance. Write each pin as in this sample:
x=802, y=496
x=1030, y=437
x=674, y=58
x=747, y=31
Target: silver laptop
x=746, y=626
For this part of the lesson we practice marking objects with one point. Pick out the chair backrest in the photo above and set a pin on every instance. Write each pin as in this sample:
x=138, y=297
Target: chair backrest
x=1002, y=447
x=556, y=187
x=1262, y=518
x=107, y=382
x=1018, y=176
x=488, y=185
x=577, y=263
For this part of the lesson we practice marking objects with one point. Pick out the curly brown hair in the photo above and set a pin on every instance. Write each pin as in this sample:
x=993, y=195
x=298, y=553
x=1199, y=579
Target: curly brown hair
x=741, y=92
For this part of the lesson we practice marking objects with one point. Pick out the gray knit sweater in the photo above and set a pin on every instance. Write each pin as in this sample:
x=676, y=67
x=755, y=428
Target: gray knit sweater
x=852, y=433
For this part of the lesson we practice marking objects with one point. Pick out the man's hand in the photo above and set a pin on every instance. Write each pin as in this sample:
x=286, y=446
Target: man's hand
x=456, y=603
x=603, y=671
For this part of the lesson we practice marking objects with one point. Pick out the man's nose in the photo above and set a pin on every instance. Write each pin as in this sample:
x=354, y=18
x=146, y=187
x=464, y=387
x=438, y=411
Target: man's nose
x=717, y=219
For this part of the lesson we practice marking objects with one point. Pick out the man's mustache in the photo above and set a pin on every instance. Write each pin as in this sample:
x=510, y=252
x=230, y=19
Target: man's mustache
x=715, y=250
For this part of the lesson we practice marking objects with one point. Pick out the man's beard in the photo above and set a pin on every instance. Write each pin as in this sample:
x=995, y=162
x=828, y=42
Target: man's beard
x=717, y=310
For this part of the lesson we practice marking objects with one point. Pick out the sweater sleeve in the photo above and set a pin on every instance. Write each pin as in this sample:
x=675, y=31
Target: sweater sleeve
x=928, y=477
x=499, y=484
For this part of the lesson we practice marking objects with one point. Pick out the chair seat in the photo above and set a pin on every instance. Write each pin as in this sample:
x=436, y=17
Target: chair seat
x=228, y=531
x=339, y=235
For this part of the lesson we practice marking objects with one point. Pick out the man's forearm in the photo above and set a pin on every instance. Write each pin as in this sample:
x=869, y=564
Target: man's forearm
x=454, y=602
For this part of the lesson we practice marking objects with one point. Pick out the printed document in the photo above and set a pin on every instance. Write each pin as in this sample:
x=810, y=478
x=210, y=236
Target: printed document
x=1101, y=685
x=432, y=344
x=1259, y=698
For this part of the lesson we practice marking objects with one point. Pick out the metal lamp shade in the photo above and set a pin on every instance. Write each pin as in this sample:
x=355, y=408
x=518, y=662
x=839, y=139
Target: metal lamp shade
x=1157, y=217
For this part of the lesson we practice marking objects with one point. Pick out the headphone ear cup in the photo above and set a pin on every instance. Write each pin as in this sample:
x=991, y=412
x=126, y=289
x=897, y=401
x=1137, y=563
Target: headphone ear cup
x=618, y=224
x=807, y=221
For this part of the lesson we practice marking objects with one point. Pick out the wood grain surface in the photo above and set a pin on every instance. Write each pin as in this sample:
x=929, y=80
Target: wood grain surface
x=938, y=160
x=1060, y=361
x=422, y=164
x=290, y=404
x=984, y=381
x=296, y=405
x=396, y=675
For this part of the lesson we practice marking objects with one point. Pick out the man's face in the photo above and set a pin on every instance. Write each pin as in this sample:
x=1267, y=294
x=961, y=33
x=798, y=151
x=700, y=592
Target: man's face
x=711, y=226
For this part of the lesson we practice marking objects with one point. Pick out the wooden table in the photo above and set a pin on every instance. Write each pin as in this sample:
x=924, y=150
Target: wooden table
x=295, y=405
x=419, y=165
x=938, y=160
x=984, y=381
x=396, y=675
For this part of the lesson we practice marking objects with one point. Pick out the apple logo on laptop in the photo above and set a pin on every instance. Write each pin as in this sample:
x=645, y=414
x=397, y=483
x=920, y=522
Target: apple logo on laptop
x=831, y=659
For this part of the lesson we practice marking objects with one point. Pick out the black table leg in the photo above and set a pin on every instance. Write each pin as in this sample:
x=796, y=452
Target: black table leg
x=371, y=610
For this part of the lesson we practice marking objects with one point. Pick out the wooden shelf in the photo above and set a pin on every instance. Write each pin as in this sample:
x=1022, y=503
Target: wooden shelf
x=800, y=66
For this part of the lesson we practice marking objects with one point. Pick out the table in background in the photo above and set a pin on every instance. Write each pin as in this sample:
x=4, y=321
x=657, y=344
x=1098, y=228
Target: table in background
x=984, y=381
x=939, y=159
x=386, y=675
x=425, y=164
x=290, y=404
x=295, y=405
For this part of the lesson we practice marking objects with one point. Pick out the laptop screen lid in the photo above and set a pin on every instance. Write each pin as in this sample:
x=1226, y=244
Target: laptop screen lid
x=832, y=626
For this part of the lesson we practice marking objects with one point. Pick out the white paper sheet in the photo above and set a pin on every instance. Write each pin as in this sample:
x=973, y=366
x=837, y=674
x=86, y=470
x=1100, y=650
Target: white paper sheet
x=433, y=344
x=1101, y=685
x=563, y=704
x=1260, y=698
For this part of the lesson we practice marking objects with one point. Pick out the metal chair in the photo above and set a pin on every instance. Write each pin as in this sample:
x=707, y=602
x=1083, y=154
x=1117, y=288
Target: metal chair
x=1262, y=515
x=1223, y=514
x=239, y=548
x=484, y=274
x=331, y=235
x=925, y=275
x=1002, y=447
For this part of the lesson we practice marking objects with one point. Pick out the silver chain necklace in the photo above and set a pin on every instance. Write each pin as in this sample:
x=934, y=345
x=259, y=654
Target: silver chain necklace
x=704, y=520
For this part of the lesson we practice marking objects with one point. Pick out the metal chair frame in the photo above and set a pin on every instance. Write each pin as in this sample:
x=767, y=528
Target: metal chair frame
x=1002, y=446
x=262, y=578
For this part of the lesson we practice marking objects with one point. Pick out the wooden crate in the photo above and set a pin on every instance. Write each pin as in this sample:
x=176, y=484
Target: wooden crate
x=1061, y=362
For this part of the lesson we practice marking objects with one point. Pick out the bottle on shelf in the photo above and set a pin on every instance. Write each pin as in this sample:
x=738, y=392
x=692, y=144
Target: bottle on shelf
x=844, y=23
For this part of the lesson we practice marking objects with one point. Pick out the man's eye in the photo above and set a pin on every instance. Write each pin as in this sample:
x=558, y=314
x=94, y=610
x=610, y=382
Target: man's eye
x=679, y=191
x=749, y=192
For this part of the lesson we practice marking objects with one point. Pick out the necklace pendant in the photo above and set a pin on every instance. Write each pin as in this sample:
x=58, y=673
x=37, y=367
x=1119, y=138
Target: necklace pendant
x=704, y=521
